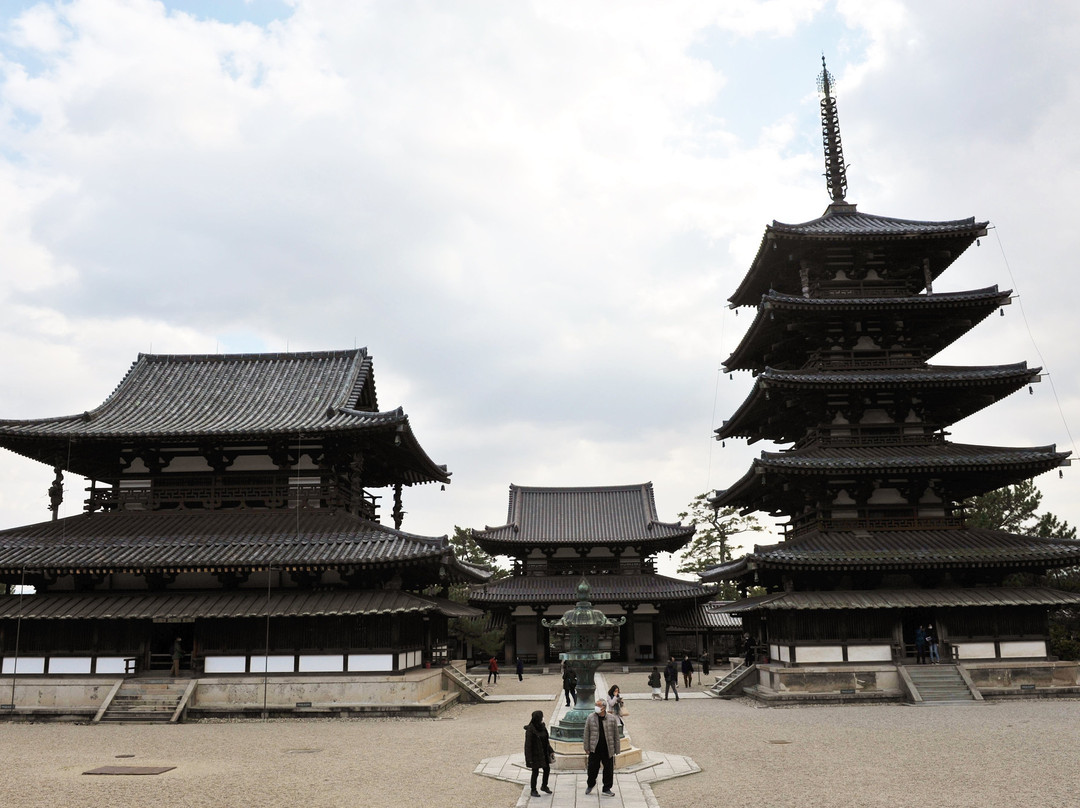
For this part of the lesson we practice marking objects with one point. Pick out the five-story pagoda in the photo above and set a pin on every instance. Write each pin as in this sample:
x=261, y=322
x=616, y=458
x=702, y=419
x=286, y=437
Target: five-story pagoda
x=875, y=542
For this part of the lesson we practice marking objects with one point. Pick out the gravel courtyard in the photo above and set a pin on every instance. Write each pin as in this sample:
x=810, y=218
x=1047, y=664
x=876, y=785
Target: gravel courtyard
x=996, y=754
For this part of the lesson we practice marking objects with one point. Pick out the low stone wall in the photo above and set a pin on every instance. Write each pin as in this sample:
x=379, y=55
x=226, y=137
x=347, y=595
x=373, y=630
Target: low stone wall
x=78, y=698
x=1024, y=679
x=846, y=682
x=63, y=698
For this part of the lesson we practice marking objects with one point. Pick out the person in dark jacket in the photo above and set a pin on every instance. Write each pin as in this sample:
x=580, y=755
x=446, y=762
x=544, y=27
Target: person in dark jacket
x=602, y=743
x=671, y=679
x=569, y=685
x=520, y=668
x=538, y=752
x=687, y=670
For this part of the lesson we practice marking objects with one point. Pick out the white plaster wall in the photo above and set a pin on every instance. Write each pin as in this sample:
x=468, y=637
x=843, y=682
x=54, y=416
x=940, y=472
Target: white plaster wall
x=225, y=664
x=70, y=665
x=869, y=653
x=975, y=650
x=371, y=662
x=29, y=665
x=1023, y=648
x=779, y=652
x=819, y=653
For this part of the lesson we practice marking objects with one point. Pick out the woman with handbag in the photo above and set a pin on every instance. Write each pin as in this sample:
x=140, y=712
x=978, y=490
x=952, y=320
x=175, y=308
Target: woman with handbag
x=538, y=752
x=615, y=704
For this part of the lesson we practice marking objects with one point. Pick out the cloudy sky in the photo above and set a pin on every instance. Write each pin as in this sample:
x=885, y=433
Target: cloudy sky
x=532, y=214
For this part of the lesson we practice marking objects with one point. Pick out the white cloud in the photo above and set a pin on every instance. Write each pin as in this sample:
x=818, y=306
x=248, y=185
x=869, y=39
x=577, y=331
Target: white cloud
x=532, y=215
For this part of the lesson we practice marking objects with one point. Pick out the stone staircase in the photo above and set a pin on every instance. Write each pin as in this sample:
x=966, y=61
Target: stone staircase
x=469, y=687
x=941, y=684
x=725, y=687
x=149, y=701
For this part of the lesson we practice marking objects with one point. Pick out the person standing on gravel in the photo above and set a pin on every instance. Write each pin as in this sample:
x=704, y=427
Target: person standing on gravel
x=569, y=685
x=671, y=679
x=493, y=671
x=538, y=752
x=687, y=670
x=520, y=669
x=601, y=741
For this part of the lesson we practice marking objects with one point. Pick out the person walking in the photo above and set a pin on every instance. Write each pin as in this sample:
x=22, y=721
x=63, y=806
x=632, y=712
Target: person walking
x=538, y=752
x=920, y=646
x=705, y=667
x=569, y=685
x=671, y=679
x=520, y=669
x=493, y=671
x=654, y=683
x=177, y=655
x=601, y=742
x=687, y=670
x=932, y=643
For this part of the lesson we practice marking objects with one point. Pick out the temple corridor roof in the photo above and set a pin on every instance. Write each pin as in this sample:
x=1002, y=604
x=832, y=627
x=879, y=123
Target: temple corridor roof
x=225, y=604
x=218, y=541
x=527, y=589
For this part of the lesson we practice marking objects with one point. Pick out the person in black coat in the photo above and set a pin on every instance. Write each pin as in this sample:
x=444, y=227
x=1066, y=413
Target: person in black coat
x=538, y=751
x=671, y=679
x=569, y=685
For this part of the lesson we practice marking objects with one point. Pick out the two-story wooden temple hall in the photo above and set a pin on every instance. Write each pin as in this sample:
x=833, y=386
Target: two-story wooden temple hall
x=849, y=313
x=233, y=520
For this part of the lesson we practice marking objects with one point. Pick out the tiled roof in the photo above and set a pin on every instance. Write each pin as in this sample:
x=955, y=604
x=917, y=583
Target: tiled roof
x=902, y=549
x=224, y=604
x=776, y=300
x=605, y=589
x=959, y=390
x=939, y=375
x=867, y=224
x=623, y=514
x=776, y=262
x=906, y=599
x=932, y=457
x=189, y=398
x=933, y=322
x=704, y=617
x=144, y=541
x=228, y=394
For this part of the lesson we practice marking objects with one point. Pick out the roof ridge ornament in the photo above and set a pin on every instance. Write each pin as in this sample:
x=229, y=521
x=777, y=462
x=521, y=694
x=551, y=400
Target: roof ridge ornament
x=835, y=169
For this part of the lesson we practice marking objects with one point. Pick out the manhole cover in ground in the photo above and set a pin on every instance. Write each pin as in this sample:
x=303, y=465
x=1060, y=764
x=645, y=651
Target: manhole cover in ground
x=777, y=741
x=131, y=770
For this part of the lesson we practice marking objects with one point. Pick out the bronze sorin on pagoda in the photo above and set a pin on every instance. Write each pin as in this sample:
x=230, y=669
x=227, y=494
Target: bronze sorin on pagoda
x=876, y=553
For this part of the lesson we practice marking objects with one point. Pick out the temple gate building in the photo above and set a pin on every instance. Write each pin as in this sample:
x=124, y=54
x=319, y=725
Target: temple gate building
x=233, y=503
x=608, y=535
x=848, y=316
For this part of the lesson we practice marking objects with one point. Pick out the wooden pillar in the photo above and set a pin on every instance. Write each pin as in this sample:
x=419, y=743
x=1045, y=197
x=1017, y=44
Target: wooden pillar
x=541, y=638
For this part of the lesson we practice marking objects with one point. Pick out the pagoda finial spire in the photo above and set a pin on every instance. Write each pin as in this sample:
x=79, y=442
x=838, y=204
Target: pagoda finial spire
x=835, y=170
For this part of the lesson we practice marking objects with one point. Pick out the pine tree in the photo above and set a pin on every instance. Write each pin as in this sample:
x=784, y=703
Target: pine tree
x=711, y=544
x=1014, y=508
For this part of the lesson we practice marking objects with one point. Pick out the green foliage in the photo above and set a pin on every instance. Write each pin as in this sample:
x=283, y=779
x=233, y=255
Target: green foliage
x=711, y=544
x=466, y=549
x=1064, y=642
x=1014, y=508
x=473, y=630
